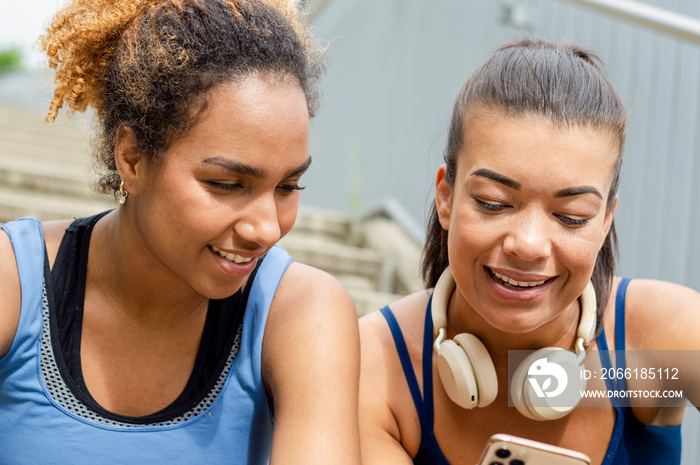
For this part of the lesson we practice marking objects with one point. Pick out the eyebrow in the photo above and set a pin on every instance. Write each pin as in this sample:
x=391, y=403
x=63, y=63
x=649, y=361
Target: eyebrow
x=572, y=191
x=242, y=168
x=506, y=181
x=499, y=178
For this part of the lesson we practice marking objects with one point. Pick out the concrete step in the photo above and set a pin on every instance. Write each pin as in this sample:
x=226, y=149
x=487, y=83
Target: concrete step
x=327, y=224
x=369, y=301
x=43, y=175
x=17, y=202
x=340, y=259
x=30, y=129
x=42, y=149
x=398, y=249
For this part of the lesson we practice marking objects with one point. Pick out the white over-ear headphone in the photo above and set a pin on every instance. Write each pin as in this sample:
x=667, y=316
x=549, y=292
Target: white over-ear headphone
x=469, y=377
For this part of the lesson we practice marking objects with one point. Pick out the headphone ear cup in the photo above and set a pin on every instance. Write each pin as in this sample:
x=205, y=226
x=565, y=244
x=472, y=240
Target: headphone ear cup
x=457, y=375
x=536, y=401
x=467, y=372
x=485, y=372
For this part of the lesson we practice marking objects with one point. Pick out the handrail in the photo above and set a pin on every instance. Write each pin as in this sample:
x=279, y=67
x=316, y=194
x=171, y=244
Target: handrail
x=653, y=17
x=675, y=24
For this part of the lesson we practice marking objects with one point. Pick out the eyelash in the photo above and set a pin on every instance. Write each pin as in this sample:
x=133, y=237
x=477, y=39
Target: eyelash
x=289, y=188
x=223, y=186
x=495, y=207
x=286, y=188
x=571, y=221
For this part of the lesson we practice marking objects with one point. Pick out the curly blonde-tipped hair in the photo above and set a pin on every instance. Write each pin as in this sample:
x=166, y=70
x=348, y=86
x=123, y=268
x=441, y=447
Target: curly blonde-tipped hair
x=147, y=64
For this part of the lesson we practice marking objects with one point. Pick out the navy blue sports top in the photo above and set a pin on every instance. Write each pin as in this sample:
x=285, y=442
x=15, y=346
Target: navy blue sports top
x=632, y=442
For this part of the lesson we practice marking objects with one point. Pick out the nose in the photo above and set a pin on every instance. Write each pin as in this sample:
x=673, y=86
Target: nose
x=528, y=239
x=260, y=222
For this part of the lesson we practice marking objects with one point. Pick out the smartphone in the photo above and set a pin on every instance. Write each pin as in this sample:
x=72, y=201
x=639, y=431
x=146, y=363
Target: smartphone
x=504, y=449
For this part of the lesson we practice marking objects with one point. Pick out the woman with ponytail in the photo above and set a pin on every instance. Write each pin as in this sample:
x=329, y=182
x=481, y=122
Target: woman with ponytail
x=522, y=305
x=173, y=329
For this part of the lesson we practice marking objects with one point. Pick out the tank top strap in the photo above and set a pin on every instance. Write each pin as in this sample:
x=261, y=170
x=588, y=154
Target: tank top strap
x=620, y=358
x=428, y=411
x=620, y=323
x=27, y=239
x=429, y=451
x=405, y=359
x=619, y=385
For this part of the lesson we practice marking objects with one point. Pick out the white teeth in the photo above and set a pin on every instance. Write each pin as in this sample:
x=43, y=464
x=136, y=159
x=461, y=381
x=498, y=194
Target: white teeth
x=513, y=282
x=230, y=256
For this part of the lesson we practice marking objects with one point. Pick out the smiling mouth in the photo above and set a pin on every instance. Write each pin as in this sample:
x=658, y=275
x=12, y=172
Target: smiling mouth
x=513, y=284
x=231, y=256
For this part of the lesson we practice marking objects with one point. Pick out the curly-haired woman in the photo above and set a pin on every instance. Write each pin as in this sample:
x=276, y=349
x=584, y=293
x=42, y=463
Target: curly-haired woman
x=172, y=328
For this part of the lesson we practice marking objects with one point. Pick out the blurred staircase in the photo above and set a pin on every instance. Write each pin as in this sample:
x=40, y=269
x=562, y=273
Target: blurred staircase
x=44, y=168
x=44, y=172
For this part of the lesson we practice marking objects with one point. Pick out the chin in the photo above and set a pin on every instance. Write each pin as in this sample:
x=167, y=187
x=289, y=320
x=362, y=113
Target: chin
x=219, y=291
x=518, y=321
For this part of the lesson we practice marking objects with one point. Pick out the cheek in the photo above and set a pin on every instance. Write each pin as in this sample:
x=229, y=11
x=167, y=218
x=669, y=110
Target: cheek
x=177, y=206
x=469, y=235
x=579, y=249
x=287, y=210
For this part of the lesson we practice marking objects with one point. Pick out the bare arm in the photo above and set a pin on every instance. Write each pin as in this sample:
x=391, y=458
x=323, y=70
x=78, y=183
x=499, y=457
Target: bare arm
x=10, y=294
x=665, y=324
x=311, y=366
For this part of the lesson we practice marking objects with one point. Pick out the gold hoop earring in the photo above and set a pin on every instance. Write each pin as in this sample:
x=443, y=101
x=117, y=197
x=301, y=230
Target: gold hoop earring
x=123, y=194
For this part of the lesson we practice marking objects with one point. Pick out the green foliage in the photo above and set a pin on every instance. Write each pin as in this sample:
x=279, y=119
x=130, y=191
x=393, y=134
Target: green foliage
x=10, y=60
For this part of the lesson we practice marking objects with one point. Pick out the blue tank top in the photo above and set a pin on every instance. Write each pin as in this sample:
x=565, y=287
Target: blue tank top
x=235, y=427
x=632, y=442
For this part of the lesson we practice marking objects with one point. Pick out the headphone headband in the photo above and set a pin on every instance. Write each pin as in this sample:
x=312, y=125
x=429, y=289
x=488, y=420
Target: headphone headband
x=441, y=297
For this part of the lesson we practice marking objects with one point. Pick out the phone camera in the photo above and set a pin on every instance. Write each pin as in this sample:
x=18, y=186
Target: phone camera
x=502, y=453
x=512, y=462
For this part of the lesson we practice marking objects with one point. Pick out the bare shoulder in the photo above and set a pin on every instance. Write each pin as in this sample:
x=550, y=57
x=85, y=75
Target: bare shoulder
x=53, y=234
x=389, y=424
x=381, y=365
x=375, y=333
x=307, y=292
x=662, y=327
x=662, y=315
x=312, y=310
x=311, y=364
x=10, y=293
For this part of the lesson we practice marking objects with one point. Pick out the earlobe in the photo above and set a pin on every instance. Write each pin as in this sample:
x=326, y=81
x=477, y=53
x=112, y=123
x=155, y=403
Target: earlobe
x=443, y=197
x=127, y=157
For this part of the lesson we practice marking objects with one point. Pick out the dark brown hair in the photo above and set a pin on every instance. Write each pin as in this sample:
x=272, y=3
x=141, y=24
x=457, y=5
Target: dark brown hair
x=561, y=83
x=147, y=64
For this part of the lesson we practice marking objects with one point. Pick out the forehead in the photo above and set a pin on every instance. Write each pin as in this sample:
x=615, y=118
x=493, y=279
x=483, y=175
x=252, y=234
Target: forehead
x=532, y=150
x=257, y=120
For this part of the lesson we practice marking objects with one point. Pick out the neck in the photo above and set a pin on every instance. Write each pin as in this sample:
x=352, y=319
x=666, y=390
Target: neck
x=560, y=331
x=122, y=268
